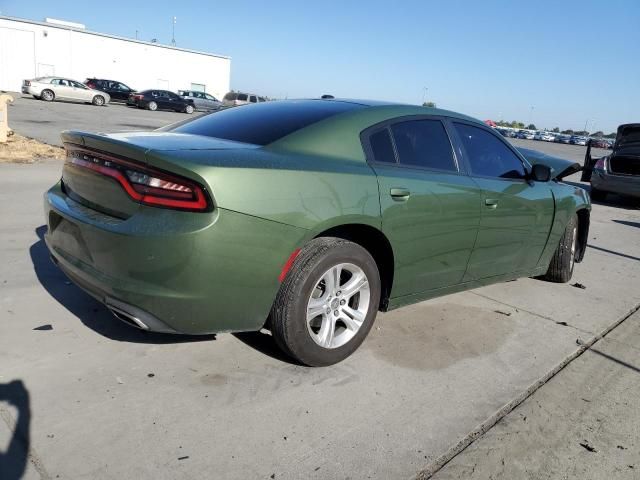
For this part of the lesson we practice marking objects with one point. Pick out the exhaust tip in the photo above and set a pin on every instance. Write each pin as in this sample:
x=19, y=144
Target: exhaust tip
x=127, y=318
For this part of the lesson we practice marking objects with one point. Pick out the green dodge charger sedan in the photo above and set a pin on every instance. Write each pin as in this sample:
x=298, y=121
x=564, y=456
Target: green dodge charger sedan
x=306, y=217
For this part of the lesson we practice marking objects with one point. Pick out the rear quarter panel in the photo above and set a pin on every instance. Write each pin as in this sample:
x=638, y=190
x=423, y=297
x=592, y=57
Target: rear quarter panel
x=310, y=192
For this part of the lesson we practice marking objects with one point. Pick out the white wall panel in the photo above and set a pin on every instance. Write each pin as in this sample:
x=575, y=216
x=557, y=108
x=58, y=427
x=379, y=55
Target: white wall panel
x=79, y=55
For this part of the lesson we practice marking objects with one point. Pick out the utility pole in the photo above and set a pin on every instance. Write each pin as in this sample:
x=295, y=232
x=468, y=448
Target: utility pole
x=424, y=98
x=531, y=115
x=136, y=34
x=173, y=32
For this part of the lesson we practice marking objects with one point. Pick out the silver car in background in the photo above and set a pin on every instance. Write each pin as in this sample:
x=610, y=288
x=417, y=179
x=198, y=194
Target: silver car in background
x=58, y=88
x=202, y=101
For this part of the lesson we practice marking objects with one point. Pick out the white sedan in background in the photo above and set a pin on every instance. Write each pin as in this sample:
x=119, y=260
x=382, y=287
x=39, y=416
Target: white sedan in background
x=547, y=137
x=57, y=88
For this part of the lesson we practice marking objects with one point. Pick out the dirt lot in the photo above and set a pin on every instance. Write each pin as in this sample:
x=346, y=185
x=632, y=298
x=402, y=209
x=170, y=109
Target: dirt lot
x=19, y=149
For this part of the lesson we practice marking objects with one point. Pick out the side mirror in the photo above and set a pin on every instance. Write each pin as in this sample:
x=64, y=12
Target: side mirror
x=540, y=173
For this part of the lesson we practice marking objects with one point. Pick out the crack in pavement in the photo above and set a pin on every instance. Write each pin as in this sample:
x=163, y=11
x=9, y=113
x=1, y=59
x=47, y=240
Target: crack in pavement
x=539, y=315
x=432, y=468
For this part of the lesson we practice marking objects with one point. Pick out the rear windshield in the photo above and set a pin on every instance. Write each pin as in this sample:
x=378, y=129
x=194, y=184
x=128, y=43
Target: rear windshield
x=264, y=123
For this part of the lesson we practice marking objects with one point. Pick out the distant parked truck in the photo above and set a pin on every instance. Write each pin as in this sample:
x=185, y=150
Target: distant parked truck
x=233, y=99
x=58, y=88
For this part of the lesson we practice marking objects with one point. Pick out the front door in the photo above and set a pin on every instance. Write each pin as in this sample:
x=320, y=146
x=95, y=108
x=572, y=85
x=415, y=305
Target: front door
x=516, y=212
x=430, y=207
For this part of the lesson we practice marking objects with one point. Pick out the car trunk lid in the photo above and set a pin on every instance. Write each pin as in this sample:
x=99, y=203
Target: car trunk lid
x=112, y=173
x=625, y=158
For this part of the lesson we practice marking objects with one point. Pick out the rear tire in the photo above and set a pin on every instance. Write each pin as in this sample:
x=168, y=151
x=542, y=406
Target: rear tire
x=597, y=195
x=153, y=106
x=561, y=266
x=48, y=95
x=98, y=101
x=327, y=303
x=189, y=109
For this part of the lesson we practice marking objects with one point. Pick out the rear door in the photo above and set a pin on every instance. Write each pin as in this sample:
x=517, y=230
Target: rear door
x=164, y=100
x=430, y=208
x=516, y=212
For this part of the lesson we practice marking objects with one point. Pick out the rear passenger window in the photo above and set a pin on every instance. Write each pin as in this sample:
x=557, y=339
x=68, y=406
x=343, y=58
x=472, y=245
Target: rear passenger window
x=381, y=147
x=423, y=143
x=242, y=97
x=488, y=155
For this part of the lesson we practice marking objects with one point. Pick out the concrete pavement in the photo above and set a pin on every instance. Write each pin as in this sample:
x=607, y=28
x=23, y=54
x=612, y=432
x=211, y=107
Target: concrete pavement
x=583, y=424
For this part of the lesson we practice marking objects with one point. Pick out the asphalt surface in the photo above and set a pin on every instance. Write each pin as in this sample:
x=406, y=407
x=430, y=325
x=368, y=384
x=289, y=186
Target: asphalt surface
x=45, y=120
x=83, y=395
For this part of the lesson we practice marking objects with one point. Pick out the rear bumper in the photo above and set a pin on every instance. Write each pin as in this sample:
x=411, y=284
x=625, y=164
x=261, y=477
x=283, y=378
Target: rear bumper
x=177, y=272
x=626, y=185
x=129, y=314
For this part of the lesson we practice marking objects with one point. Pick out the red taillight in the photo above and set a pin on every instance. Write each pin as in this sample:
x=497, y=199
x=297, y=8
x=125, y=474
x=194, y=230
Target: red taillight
x=600, y=164
x=144, y=185
x=137, y=97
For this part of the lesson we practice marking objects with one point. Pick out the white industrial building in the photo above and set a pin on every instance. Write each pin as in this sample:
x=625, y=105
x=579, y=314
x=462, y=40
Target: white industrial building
x=30, y=49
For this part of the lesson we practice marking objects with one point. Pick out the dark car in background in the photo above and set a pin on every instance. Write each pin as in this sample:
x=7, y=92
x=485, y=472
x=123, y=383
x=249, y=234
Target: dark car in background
x=161, y=100
x=618, y=172
x=118, y=91
x=203, y=102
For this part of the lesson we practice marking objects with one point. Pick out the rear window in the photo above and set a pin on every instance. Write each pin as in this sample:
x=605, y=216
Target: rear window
x=264, y=123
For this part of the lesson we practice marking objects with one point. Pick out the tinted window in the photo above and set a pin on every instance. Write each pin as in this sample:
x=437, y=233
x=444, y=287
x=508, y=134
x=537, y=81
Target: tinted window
x=423, y=143
x=381, y=146
x=264, y=123
x=253, y=99
x=488, y=155
x=242, y=97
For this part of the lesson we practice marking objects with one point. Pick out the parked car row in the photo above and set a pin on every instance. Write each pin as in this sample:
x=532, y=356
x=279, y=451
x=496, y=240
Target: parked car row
x=555, y=137
x=100, y=91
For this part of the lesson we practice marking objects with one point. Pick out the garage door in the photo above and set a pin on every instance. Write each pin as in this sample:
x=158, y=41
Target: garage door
x=17, y=58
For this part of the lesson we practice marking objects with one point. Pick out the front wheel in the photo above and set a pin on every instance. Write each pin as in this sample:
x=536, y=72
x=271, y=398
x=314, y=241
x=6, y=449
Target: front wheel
x=98, y=100
x=561, y=266
x=327, y=303
x=47, y=95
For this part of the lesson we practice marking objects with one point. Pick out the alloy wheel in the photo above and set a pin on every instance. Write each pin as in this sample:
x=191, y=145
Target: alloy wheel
x=338, y=305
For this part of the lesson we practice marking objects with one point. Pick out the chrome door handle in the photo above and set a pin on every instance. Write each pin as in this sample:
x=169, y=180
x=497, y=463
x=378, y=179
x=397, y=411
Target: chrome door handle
x=400, y=193
x=491, y=203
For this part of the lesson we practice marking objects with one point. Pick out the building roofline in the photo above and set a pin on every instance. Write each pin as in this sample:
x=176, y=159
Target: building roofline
x=106, y=35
